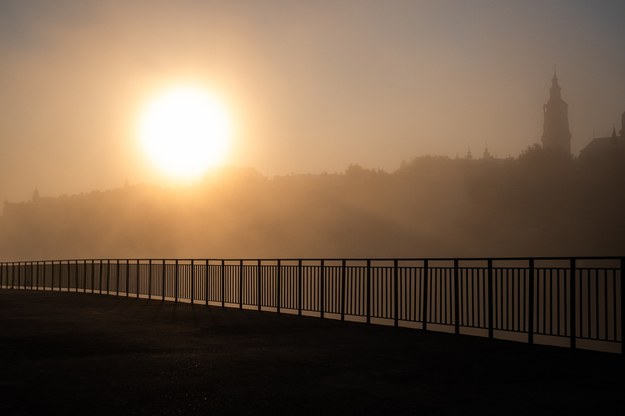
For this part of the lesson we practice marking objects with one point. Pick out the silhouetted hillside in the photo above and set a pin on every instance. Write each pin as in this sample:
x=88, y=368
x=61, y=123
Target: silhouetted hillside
x=542, y=203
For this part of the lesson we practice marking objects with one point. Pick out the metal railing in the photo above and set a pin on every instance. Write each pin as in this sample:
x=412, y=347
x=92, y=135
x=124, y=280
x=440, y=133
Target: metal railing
x=574, y=299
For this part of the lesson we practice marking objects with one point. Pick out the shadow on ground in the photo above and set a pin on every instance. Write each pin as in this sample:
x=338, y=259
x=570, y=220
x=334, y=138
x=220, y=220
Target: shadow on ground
x=72, y=353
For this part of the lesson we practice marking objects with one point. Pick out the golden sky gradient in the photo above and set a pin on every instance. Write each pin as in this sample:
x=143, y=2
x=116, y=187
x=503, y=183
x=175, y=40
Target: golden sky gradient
x=312, y=86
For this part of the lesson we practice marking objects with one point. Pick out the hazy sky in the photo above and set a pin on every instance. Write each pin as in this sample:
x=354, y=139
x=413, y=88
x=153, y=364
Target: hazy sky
x=312, y=86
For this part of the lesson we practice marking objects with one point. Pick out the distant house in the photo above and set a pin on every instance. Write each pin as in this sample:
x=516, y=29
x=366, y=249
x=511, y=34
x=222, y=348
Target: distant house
x=601, y=146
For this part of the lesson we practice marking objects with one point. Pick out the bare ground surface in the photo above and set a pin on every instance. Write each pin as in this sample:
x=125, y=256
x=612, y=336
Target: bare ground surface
x=73, y=353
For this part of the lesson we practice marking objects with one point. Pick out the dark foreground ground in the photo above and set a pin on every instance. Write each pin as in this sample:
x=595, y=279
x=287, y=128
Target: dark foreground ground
x=66, y=353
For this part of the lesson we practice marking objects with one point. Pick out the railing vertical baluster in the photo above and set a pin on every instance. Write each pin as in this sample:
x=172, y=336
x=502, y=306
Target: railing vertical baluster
x=573, y=329
x=150, y=279
x=424, y=295
x=278, y=286
x=490, y=298
x=69, y=275
x=456, y=298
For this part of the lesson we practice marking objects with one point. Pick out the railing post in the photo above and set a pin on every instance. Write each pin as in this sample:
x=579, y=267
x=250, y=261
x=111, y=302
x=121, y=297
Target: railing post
x=622, y=274
x=573, y=328
x=456, y=297
x=176, y=281
x=278, y=286
x=108, y=275
x=259, y=282
x=241, y=284
x=84, y=276
x=343, y=290
x=192, y=280
x=368, y=275
x=76, y=273
x=127, y=278
x=322, y=276
x=424, y=294
x=117, y=278
x=164, y=276
x=395, y=293
x=100, y=271
x=138, y=278
x=206, y=282
x=530, y=306
x=149, y=278
x=299, y=287
x=490, y=299
x=223, y=284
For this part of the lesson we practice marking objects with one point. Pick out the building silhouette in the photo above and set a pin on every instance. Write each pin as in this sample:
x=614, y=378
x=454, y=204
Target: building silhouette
x=556, y=133
x=611, y=145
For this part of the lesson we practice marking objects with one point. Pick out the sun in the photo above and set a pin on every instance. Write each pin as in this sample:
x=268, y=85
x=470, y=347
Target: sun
x=184, y=132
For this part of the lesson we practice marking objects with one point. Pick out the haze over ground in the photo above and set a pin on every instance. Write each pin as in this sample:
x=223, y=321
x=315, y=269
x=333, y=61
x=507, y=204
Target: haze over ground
x=311, y=86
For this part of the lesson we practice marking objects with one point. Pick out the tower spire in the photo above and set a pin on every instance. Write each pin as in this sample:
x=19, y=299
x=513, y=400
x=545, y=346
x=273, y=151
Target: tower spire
x=556, y=132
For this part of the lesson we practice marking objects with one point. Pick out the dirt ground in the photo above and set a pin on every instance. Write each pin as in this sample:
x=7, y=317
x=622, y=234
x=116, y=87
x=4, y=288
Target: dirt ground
x=74, y=353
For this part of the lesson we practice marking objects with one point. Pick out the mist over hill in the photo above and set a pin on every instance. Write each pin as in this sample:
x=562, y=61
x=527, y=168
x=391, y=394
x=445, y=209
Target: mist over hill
x=541, y=203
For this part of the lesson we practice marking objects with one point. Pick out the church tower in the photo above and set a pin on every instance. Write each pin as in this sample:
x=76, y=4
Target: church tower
x=556, y=134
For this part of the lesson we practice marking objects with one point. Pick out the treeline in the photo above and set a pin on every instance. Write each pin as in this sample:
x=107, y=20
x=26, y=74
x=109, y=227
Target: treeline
x=540, y=203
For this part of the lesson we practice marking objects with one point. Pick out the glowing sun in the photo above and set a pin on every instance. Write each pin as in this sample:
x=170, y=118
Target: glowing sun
x=184, y=132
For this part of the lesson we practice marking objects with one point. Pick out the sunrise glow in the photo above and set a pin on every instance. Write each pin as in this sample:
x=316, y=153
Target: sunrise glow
x=184, y=132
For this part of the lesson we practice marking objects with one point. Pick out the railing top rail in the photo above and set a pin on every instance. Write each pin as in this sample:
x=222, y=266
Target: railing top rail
x=309, y=259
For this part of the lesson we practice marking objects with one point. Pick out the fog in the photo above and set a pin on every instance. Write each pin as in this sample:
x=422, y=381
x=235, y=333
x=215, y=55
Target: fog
x=541, y=203
x=312, y=86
